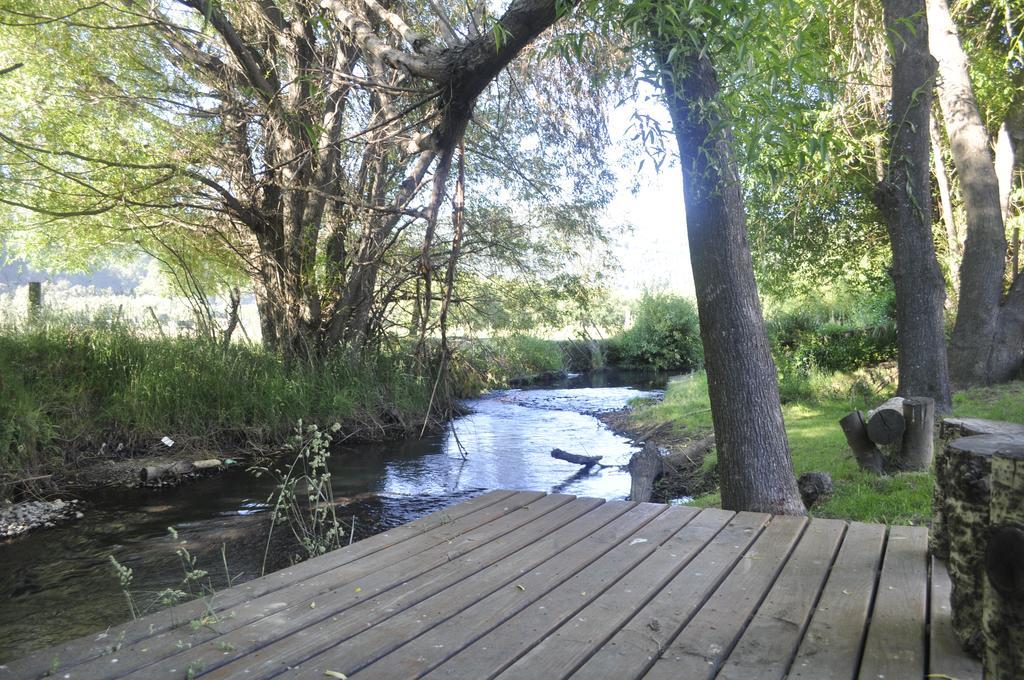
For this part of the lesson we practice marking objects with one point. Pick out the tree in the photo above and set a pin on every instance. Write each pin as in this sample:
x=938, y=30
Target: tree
x=309, y=142
x=987, y=344
x=755, y=468
x=904, y=199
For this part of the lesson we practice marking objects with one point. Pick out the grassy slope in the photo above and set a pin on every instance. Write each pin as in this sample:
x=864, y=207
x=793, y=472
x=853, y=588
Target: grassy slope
x=817, y=443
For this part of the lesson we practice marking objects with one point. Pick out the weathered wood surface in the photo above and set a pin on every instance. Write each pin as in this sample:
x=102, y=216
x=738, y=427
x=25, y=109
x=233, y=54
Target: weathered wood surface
x=886, y=422
x=969, y=427
x=528, y=585
x=895, y=646
x=918, y=446
x=945, y=658
x=867, y=454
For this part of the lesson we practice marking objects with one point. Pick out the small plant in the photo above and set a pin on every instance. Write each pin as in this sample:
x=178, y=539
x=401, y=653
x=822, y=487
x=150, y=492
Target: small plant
x=303, y=498
x=195, y=583
x=124, y=575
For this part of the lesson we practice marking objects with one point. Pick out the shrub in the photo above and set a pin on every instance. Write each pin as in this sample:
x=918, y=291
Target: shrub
x=665, y=335
x=833, y=334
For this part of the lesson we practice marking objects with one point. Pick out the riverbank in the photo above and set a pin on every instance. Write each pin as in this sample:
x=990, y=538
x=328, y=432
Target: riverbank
x=88, y=404
x=816, y=442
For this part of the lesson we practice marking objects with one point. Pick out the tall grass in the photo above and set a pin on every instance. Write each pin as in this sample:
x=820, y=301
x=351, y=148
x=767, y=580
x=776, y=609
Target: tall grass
x=68, y=389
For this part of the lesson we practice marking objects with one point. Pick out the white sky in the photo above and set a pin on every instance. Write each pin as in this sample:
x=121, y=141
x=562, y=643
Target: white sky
x=654, y=255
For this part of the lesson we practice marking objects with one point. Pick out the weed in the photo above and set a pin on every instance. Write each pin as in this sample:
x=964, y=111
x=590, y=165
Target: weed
x=303, y=498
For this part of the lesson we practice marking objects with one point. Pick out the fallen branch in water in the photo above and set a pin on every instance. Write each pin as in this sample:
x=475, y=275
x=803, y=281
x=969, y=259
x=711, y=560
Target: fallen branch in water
x=585, y=461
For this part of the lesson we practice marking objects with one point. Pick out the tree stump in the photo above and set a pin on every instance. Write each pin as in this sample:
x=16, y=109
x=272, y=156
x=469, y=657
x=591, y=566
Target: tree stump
x=886, y=423
x=918, y=446
x=864, y=450
x=644, y=467
x=951, y=428
x=1003, y=617
x=966, y=493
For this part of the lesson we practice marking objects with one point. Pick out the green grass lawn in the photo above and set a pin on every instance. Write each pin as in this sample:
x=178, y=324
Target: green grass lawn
x=817, y=443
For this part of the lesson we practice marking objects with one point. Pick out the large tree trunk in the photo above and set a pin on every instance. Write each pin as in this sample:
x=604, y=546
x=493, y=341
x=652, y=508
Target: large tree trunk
x=904, y=198
x=981, y=272
x=753, y=453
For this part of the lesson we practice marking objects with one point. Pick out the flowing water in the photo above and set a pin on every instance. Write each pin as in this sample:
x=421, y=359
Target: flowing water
x=56, y=584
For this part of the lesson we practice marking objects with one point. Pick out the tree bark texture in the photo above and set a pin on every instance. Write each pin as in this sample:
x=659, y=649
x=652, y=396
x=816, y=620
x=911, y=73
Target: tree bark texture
x=987, y=344
x=965, y=490
x=1003, y=618
x=904, y=198
x=644, y=467
x=753, y=452
x=951, y=429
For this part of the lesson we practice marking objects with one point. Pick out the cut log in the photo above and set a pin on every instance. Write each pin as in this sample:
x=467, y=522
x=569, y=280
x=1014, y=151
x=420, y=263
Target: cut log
x=886, y=423
x=586, y=461
x=644, y=467
x=951, y=428
x=153, y=473
x=864, y=450
x=966, y=494
x=1003, y=605
x=917, y=449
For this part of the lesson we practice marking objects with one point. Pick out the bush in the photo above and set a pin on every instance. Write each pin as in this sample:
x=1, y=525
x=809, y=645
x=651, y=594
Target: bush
x=832, y=334
x=665, y=336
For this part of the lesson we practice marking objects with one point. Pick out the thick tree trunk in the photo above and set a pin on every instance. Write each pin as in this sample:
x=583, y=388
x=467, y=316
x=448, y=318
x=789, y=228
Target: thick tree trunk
x=981, y=272
x=753, y=453
x=904, y=198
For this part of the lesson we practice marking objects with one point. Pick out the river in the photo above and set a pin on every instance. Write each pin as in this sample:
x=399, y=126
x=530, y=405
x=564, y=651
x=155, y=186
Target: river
x=57, y=584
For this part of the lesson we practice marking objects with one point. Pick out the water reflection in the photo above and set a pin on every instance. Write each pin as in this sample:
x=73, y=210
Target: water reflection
x=504, y=442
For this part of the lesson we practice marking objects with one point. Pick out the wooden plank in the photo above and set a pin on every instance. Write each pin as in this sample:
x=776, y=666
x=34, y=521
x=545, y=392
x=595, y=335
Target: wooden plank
x=895, y=647
x=767, y=646
x=945, y=657
x=81, y=649
x=427, y=647
x=539, y=540
x=634, y=647
x=500, y=647
x=832, y=644
x=563, y=651
x=555, y=563
x=701, y=647
x=289, y=607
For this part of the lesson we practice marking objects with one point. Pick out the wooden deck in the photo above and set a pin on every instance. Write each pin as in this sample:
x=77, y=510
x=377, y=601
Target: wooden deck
x=535, y=586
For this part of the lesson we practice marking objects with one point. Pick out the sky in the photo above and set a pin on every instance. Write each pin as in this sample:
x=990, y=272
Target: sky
x=653, y=255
